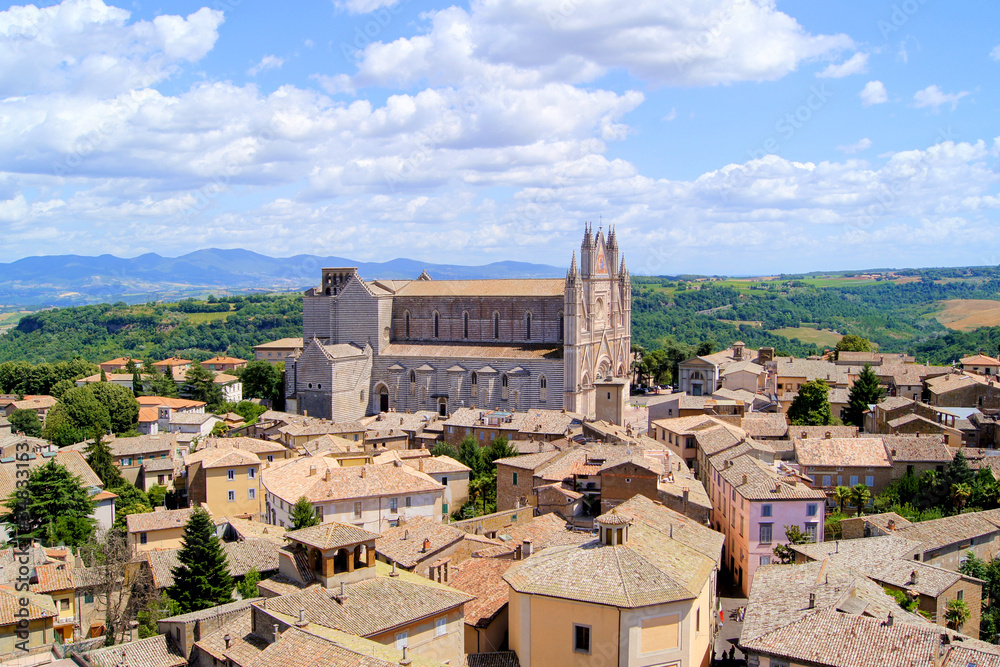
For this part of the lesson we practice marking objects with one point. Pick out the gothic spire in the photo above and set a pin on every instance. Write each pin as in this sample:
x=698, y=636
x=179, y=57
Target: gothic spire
x=612, y=239
x=571, y=274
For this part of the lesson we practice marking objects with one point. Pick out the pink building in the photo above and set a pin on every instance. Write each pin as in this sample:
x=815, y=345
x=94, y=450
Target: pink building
x=752, y=504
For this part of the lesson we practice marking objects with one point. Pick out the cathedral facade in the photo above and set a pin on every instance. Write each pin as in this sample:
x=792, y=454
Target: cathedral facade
x=390, y=345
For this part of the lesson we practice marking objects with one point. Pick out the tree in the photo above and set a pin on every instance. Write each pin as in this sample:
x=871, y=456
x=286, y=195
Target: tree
x=500, y=448
x=75, y=417
x=793, y=535
x=247, y=586
x=957, y=614
x=250, y=411
x=157, y=495
x=53, y=507
x=202, y=579
x=811, y=407
x=842, y=494
x=706, y=348
x=123, y=409
x=261, y=379
x=101, y=461
x=220, y=430
x=444, y=449
x=199, y=385
x=26, y=422
x=303, y=514
x=130, y=500
x=865, y=391
x=852, y=343
x=860, y=495
x=162, y=384
x=137, y=389
x=60, y=388
x=960, y=495
x=470, y=454
x=104, y=376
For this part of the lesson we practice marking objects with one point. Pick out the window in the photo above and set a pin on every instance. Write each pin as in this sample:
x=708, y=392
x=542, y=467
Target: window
x=465, y=325
x=440, y=627
x=251, y=494
x=394, y=505
x=409, y=501
x=826, y=480
x=232, y=495
x=854, y=480
x=689, y=443
x=811, y=509
x=444, y=481
x=765, y=533
x=496, y=326
x=270, y=458
x=444, y=509
x=543, y=388
x=765, y=560
x=527, y=327
x=581, y=638
x=869, y=481
x=251, y=473
x=357, y=510
x=231, y=474
x=811, y=531
x=160, y=479
x=142, y=538
x=400, y=640
x=88, y=598
x=562, y=324
x=413, y=383
x=437, y=325
x=765, y=510
x=514, y=480
x=960, y=595
x=406, y=324
x=504, y=387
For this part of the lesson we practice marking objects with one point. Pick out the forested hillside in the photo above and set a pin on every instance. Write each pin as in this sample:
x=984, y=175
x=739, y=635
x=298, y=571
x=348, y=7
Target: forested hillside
x=196, y=330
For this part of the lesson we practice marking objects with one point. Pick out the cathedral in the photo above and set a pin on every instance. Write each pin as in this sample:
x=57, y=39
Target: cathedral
x=376, y=346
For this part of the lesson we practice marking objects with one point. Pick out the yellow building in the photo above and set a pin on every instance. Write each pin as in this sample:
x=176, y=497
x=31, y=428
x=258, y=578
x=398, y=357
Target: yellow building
x=40, y=615
x=160, y=529
x=226, y=480
x=56, y=581
x=641, y=594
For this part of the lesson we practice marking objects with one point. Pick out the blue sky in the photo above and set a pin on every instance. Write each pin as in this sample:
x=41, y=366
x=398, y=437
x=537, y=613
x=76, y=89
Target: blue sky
x=719, y=136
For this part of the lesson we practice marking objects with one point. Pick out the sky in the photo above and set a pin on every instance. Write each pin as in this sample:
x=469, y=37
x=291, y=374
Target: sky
x=726, y=137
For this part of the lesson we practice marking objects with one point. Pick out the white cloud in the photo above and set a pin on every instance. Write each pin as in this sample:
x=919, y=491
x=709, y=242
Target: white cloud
x=672, y=115
x=995, y=53
x=873, y=93
x=363, y=6
x=856, y=147
x=688, y=42
x=934, y=98
x=267, y=62
x=88, y=47
x=857, y=64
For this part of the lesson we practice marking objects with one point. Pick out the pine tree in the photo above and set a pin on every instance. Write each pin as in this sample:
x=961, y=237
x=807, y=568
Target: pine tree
x=199, y=385
x=202, y=580
x=303, y=515
x=136, y=383
x=104, y=376
x=162, y=384
x=866, y=391
x=53, y=507
x=101, y=461
x=812, y=405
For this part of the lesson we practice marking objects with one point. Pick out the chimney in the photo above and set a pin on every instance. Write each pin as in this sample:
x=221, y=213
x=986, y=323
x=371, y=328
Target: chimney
x=827, y=435
x=326, y=475
x=312, y=471
x=340, y=597
x=276, y=635
x=744, y=478
x=889, y=620
x=913, y=578
x=405, y=661
x=812, y=601
x=526, y=548
x=227, y=639
x=364, y=472
x=427, y=544
x=302, y=619
x=394, y=573
x=406, y=534
x=686, y=495
x=420, y=465
x=891, y=525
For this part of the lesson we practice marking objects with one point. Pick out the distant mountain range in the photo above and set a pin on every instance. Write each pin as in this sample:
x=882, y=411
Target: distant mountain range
x=68, y=280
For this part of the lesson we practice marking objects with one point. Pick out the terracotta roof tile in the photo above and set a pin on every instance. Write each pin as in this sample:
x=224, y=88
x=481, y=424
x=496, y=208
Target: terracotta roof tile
x=404, y=544
x=331, y=535
x=162, y=520
x=39, y=606
x=842, y=452
x=157, y=651
x=482, y=578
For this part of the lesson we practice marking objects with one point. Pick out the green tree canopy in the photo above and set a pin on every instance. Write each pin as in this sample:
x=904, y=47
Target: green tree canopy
x=101, y=461
x=53, y=507
x=470, y=454
x=303, y=514
x=199, y=385
x=865, y=391
x=60, y=388
x=26, y=422
x=261, y=379
x=852, y=343
x=202, y=579
x=162, y=384
x=811, y=407
x=793, y=535
x=123, y=409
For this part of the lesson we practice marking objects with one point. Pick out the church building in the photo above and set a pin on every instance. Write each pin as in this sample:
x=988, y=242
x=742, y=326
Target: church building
x=375, y=346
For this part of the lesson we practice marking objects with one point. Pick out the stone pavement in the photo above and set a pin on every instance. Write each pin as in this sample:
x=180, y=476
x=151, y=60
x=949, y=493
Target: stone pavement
x=730, y=631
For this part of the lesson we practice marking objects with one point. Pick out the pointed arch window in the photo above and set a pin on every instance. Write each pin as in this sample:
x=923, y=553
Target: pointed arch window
x=543, y=389
x=496, y=326
x=437, y=325
x=413, y=383
x=527, y=326
x=562, y=326
x=504, y=387
x=474, y=381
x=406, y=324
x=465, y=325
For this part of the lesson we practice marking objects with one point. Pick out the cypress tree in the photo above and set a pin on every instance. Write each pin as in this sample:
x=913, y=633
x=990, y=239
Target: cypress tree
x=303, y=515
x=202, y=580
x=866, y=391
x=101, y=461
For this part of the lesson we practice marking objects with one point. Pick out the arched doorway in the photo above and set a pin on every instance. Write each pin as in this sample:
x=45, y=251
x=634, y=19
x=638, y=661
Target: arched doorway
x=383, y=398
x=443, y=407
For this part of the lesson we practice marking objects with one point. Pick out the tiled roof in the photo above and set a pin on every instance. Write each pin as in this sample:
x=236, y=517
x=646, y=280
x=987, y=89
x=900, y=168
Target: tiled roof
x=765, y=424
x=842, y=452
x=144, y=444
x=868, y=554
x=331, y=535
x=938, y=533
x=296, y=648
x=810, y=369
x=148, y=415
x=164, y=401
x=161, y=465
x=221, y=457
x=191, y=418
x=162, y=520
x=404, y=544
x=755, y=480
x=173, y=361
x=482, y=578
x=213, y=612
x=281, y=343
x=895, y=402
x=650, y=568
x=156, y=651
x=517, y=287
x=241, y=556
x=372, y=606
x=439, y=464
x=36, y=402
x=244, y=529
x=39, y=606
x=529, y=461
x=922, y=448
x=53, y=577
x=243, y=647
x=953, y=381
x=72, y=460
x=292, y=480
x=548, y=530
x=470, y=351
x=979, y=360
x=821, y=431
x=224, y=360
x=498, y=659
x=976, y=656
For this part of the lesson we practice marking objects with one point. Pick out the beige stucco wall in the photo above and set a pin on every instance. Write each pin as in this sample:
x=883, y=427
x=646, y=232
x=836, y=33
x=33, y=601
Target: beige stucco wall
x=158, y=539
x=218, y=486
x=40, y=633
x=422, y=639
x=541, y=631
x=489, y=639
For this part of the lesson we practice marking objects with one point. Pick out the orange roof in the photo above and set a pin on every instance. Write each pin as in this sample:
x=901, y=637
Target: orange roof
x=120, y=361
x=103, y=495
x=172, y=361
x=147, y=415
x=224, y=360
x=177, y=403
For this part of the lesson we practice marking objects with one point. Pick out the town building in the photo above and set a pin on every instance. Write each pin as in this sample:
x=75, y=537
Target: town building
x=226, y=480
x=642, y=593
x=220, y=364
x=38, y=611
x=276, y=351
x=159, y=529
x=832, y=462
x=383, y=345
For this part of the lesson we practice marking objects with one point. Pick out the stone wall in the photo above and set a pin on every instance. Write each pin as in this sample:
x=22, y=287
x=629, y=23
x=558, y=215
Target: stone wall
x=546, y=319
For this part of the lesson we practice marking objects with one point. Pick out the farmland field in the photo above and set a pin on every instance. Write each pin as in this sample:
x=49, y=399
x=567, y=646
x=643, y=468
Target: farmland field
x=968, y=314
x=821, y=337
